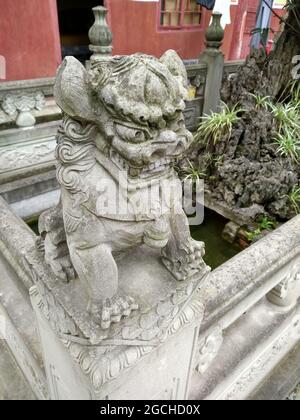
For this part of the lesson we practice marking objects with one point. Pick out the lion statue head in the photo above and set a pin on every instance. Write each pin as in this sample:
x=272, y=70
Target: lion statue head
x=136, y=103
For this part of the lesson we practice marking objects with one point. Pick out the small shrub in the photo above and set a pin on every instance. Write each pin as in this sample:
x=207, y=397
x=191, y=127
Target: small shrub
x=218, y=126
x=262, y=102
x=288, y=145
x=294, y=198
x=192, y=173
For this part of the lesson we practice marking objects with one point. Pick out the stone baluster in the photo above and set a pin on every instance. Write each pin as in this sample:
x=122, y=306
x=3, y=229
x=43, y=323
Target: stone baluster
x=214, y=59
x=100, y=36
x=287, y=292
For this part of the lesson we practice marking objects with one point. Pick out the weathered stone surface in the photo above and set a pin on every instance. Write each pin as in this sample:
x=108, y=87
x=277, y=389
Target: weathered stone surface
x=121, y=362
x=17, y=322
x=25, y=102
x=250, y=171
x=13, y=385
x=295, y=395
x=121, y=293
x=281, y=383
x=232, y=366
x=123, y=131
x=230, y=232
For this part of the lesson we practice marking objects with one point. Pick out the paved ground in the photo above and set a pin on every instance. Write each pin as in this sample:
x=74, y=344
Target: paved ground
x=13, y=385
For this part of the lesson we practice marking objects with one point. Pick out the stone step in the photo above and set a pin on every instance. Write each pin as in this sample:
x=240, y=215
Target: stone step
x=13, y=385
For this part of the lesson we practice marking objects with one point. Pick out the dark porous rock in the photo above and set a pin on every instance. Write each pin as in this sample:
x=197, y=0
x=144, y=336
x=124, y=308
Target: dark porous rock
x=247, y=169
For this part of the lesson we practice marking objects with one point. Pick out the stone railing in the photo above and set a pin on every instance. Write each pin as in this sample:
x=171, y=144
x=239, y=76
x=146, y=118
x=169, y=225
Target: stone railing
x=24, y=103
x=29, y=119
x=17, y=321
x=197, y=75
x=249, y=336
x=194, y=106
x=252, y=322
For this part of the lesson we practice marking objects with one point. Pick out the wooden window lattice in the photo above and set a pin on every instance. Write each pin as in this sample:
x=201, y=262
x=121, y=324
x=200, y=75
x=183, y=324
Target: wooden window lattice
x=180, y=13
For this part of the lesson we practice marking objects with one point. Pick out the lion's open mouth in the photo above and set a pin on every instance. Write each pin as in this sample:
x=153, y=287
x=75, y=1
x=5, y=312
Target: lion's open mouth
x=160, y=166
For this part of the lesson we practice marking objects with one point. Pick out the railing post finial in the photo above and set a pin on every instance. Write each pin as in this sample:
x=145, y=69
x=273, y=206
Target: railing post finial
x=215, y=33
x=100, y=35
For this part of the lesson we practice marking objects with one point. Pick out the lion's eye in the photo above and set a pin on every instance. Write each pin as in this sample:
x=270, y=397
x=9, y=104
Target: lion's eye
x=139, y=135
x=131, y=135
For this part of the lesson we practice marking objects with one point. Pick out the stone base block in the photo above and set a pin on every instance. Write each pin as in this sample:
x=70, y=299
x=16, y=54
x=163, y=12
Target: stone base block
x=149, y=355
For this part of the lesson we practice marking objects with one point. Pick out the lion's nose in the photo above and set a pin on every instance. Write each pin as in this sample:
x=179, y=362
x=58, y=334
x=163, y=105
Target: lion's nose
x=162, y=146
x=167, y=137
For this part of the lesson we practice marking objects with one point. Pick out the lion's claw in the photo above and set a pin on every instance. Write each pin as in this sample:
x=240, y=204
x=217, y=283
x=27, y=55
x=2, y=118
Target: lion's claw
x=112, y=310
x=187, y=262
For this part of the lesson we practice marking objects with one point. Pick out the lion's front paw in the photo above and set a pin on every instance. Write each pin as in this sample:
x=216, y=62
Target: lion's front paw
x=112, y=310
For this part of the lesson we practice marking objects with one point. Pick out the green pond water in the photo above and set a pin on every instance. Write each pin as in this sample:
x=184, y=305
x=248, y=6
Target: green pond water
x=218, y=251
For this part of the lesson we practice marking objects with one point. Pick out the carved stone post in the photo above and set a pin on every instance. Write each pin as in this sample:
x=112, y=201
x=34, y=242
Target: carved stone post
x=214, y=59
x=22, y=107
x=287, y=292
x=100, y=35
x=118, y=307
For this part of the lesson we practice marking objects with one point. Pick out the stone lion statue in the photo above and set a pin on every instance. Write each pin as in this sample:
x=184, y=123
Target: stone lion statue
x=122, y=132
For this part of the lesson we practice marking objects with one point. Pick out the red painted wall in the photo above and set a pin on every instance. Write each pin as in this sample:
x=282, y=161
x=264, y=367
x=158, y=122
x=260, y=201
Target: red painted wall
x=30, y=42
x=29, y=38
x=135, y=28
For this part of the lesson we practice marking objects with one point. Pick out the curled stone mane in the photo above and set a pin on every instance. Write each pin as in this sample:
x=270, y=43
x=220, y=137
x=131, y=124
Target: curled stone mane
x=75, y=153
x=139, y=88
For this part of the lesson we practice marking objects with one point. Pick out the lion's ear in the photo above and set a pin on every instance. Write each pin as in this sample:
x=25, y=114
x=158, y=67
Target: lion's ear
x=71, y=91
x=174, y=63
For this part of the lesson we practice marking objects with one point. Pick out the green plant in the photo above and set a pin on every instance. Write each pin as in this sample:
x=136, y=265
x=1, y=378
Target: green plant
x=192, y=173
x=253, y=235
x=218, y=126
x=261, y=101
x=267, y=224
x=207, y=159
x=288, y=145
x=264, y=224
x=294, y=198
x=218, y=160
x=291, y=93
x=287, y=115
x=295, y=93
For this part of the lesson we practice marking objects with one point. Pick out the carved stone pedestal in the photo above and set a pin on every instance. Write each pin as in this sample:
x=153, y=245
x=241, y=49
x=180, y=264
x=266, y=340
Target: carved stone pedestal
x=149, y=355
x=118, y=320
